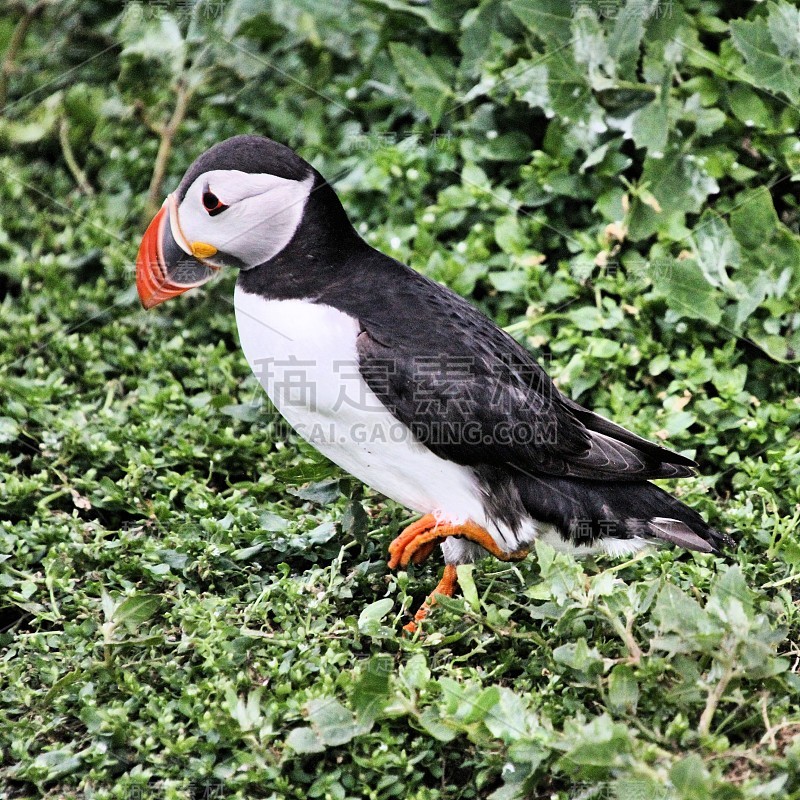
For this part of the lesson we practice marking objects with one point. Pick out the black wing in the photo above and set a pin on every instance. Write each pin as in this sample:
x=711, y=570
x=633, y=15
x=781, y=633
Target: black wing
x=472, y=394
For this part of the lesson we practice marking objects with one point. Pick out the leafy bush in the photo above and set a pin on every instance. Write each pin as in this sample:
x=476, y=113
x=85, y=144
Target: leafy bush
x=613, y=182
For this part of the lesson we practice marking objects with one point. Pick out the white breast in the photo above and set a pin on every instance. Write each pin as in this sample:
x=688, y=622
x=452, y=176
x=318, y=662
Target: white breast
x=304, y=355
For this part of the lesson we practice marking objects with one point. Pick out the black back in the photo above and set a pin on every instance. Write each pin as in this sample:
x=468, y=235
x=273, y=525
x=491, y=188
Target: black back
x=576, y=466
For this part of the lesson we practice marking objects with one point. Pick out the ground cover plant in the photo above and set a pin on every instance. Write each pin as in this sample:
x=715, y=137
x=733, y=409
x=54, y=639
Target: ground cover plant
x=194, y=603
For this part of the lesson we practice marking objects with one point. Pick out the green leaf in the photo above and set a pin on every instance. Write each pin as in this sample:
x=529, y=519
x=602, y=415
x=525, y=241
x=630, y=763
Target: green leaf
x=435, y=726
x=512, y=280
x=650, y=128
x=156, y=37
x=680, y=185
x=548, y=19
x=659, y=364
x=595, y=157
x=637, y=787
x=38, y=125
x=766, y=66
x=9, y=430
x=509, y=234
x=572, y=99
x=687, y=292
x=467, y=584
x=483, y=704
x=322, y=533
x=430, y=16
x=675, y=608
x=628, y=30
x=734, y=597
x=589, y=47
x=587, y=318
x=245, y=553
x=322, y=492
x=578, y=656
x=54, y=764
x=783, y=22
x=430, y=91
x=333, y=723
x=62, y=683
x=508, y=718
x=716, y=249
x=369, y=620
x=753, y=218
x=690, y=779
x=355, y=521
x=561, y=574
x=270, y=521
x=371, y=692
x=415, y=673
x=305, y=740
x=135, y=610
x=513, y=146
x=623, y=689
x=600, y=743
x=245, y=710
x=246, y=412
x=528, y=79
x=748, y=106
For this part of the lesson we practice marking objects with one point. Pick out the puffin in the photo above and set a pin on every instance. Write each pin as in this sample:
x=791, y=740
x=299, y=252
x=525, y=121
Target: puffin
x=403, y=383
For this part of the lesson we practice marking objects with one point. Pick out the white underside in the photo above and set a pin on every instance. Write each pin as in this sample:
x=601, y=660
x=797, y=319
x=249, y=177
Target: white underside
x=304, y=355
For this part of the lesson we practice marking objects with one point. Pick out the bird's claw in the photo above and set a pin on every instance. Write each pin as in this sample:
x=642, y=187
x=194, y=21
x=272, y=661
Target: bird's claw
x=419, y=540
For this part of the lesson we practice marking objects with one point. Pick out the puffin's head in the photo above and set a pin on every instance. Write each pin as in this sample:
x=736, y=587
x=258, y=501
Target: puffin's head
x=239, y=205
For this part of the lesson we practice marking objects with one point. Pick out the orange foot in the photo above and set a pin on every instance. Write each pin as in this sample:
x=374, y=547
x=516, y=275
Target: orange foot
x=420, y=538
x=446, y=586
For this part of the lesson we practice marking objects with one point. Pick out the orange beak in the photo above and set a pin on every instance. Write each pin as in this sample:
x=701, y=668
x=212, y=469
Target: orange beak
x=165, y=266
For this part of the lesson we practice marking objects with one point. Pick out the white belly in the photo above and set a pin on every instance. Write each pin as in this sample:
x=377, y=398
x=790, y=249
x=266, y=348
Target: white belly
x=304, y=355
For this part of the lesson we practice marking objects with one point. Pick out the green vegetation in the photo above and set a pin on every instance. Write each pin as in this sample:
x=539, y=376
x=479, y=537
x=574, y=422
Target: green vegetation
x=195, y=604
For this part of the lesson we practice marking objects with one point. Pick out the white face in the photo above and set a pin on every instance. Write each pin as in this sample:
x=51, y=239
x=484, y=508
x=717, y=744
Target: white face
x=255, y=218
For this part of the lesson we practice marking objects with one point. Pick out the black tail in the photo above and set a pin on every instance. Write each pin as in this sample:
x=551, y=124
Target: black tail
x=585, y=511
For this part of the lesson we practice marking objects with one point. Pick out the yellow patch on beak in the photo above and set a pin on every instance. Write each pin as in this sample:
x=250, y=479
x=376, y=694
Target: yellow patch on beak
x=203, y=250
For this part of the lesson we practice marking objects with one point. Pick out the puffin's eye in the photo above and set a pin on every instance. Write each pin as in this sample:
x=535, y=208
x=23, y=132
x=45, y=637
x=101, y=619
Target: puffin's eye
x=212, y=203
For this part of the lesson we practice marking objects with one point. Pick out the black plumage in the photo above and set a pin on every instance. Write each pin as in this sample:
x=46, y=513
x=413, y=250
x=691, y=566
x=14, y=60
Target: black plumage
x=467, y=390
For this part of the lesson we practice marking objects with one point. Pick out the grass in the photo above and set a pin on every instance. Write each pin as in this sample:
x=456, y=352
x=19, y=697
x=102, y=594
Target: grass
x=182, y=616
x=194, y=603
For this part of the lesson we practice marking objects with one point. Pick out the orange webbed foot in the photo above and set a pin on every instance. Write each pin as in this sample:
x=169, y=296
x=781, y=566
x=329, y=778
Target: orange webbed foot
x=419, y=540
